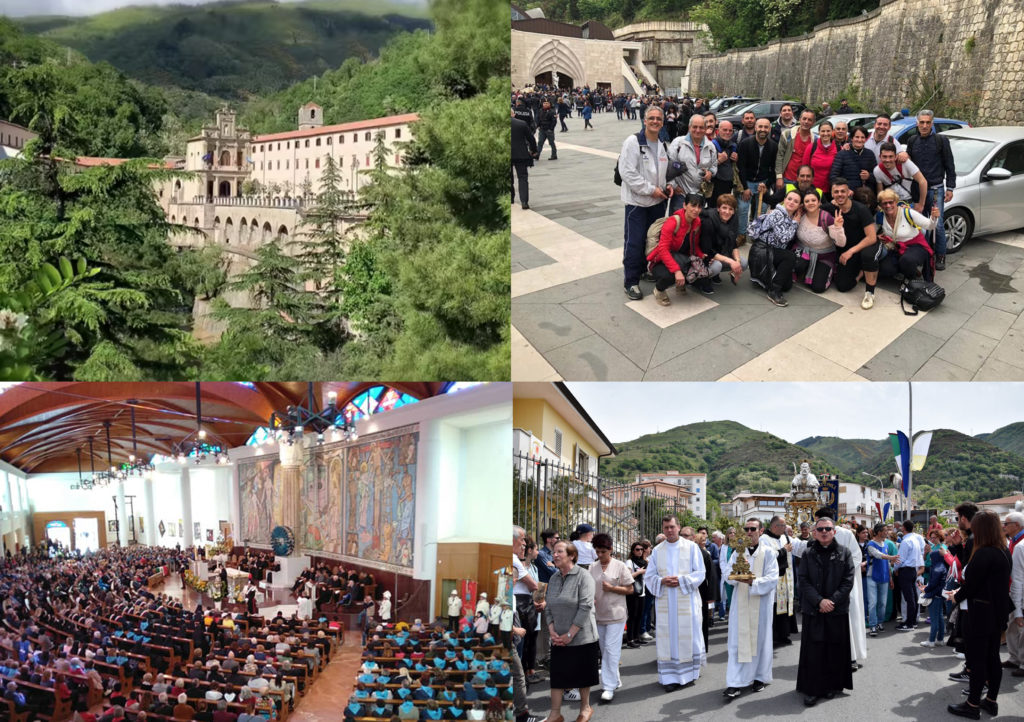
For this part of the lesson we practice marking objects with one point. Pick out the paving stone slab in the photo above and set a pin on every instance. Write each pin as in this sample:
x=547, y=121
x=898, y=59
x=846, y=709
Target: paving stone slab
x=967, y=349
x=707, y=362
x=593, y=359
x=903, y=358
x=547, y=325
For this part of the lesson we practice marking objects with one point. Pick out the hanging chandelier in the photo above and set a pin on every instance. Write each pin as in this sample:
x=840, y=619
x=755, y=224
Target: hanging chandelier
x=195, y=446
x=135, y=466
x=302, y=421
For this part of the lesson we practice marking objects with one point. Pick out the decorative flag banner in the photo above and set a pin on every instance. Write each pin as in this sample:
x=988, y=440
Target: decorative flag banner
x=885, y=511
x=901, y=451
x=922, y=440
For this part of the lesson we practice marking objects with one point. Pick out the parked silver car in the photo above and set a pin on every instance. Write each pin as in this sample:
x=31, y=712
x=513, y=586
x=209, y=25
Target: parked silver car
x=989, y=193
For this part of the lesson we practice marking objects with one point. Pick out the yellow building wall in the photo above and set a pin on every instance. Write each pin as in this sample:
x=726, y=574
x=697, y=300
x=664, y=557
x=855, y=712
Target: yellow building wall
x=537, y=417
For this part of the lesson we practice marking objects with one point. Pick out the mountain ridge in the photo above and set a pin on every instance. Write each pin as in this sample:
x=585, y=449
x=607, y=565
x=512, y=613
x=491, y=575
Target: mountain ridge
x=736, y=457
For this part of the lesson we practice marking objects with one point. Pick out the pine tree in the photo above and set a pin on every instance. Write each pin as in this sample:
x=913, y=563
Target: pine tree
x=327, y=233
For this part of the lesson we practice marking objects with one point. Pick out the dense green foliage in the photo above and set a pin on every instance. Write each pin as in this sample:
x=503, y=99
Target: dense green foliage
x=731, y=23
x=733, y=456
x=111, y=116
x=1008, y=438
x=231, y=50
x=420, y=291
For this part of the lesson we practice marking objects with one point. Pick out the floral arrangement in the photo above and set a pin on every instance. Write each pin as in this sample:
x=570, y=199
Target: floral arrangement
x=200, y=585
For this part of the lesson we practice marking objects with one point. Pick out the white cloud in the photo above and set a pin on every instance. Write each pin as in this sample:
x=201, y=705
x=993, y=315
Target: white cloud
x=21, y=8
x=795, y=411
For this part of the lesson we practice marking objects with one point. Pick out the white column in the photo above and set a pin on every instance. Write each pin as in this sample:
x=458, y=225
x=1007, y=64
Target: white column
x=186, y=506
x=150, y=507
x=122, y=516
x=233, y=509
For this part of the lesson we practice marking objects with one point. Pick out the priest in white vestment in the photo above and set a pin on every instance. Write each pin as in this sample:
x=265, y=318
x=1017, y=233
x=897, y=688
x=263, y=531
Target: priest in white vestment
x=674, y=571
x=751, y=615
x=858, y=627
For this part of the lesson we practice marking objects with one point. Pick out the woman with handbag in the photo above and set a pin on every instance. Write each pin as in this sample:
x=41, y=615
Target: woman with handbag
x=637, y=565
x=569, y=615
x=679, y=258
x=932, y=595
x=984, y=593
x=817, y=236
x=612, y=584
x=771, y=260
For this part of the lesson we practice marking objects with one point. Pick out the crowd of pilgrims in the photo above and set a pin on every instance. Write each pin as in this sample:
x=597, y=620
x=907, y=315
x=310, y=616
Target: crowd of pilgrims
x=417, y=672
x=81, y=632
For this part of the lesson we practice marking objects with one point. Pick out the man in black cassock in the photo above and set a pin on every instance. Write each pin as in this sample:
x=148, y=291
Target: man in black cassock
x=826, y=580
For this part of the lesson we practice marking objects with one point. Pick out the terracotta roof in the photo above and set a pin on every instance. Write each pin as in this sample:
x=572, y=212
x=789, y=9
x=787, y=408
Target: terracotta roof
x=89, y=161
x=344, y=127
x=85, y=161
x=1004, y=500
x=311, y=104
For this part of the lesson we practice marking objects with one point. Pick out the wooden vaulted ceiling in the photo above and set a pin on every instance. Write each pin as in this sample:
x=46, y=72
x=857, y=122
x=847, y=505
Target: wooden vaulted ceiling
x=43, y=424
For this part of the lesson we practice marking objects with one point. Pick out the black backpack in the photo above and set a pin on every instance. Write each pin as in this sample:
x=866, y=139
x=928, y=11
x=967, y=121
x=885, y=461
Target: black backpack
x=920, y=295
x=641, y=139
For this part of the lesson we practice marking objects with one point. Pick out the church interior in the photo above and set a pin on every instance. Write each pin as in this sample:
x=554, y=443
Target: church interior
x=254, y=551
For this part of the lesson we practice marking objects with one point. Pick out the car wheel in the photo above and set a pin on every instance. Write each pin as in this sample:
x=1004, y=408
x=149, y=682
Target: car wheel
x=959, y=226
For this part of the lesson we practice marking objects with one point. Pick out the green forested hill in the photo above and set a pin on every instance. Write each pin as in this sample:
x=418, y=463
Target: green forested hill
x=1008, y=438
x=734, y=457
x=959, y=467
x=852, y=456
x=232, y=50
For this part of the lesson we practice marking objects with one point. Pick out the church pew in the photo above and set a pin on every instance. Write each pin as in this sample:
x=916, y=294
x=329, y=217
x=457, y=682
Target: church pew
x=54, y=708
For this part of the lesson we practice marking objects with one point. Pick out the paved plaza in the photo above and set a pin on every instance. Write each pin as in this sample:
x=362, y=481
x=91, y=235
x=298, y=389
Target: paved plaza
x=901, y=680
x=571, y=319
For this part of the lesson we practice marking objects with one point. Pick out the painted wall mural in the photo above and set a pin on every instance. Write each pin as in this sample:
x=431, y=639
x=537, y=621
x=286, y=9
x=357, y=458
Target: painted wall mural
x=357, y=499
x=256, y=491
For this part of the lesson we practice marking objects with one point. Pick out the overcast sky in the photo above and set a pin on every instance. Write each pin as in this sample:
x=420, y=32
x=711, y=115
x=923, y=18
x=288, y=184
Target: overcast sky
x=19, y=8
x=795, y=411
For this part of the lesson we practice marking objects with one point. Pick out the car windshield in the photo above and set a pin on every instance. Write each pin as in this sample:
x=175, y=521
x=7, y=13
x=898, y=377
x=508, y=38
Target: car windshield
x=968, y=152
x=741, y=108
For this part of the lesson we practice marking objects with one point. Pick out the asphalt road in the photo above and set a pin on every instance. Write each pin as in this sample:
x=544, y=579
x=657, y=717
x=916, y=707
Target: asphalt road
x=901, y=680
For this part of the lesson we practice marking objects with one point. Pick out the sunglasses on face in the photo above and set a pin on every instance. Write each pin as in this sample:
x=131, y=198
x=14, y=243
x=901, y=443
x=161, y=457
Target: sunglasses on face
x=824, y=529
x=750, y=528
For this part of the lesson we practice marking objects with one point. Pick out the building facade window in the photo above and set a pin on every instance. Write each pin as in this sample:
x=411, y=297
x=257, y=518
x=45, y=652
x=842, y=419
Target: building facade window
x=398, y=133
x=317, y=142
x=307, y=143
x=366, y=136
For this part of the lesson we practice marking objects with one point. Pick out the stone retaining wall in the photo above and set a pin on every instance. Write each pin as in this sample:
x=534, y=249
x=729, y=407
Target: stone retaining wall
x=972, y=50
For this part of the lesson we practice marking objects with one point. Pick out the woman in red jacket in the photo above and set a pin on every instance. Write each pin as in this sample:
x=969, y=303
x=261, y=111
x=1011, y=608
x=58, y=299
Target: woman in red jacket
x=680, y=239
x=819, y=155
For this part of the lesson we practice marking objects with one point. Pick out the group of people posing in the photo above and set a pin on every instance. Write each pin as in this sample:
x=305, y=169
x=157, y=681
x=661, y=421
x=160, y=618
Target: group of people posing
x=822, y=209
x=594, y=604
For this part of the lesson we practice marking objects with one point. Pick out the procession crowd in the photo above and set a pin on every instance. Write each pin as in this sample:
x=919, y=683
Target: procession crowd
x=823, y=205
x=577, y=605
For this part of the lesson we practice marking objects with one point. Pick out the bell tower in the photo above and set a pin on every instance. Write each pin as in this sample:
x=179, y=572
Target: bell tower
x=311, y=116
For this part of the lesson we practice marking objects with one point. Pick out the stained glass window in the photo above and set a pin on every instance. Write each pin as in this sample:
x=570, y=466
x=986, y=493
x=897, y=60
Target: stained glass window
x=456, y=386
x=371, y=401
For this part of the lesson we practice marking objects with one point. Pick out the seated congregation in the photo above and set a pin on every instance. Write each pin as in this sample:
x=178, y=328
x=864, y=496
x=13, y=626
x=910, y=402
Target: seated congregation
x=86, y=638
x=412, y=672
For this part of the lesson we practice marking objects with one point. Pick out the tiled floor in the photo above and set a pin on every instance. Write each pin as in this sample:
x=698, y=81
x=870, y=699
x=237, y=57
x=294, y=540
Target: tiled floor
x=571, y=319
